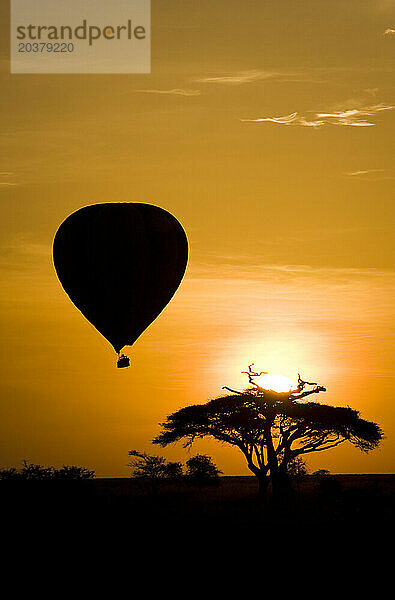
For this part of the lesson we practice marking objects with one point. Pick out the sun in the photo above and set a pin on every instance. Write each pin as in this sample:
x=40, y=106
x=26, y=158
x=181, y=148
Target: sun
x=275, y=383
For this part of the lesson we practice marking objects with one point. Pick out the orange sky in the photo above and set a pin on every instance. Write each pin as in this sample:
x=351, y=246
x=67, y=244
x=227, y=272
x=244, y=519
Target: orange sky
x=267, y=129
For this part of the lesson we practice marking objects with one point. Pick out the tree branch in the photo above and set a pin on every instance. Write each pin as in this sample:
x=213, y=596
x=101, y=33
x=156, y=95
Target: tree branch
x=233, y=391
x=305, y=451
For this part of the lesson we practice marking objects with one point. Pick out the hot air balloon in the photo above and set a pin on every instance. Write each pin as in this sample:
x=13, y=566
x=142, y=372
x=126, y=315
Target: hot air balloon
x=120, y=264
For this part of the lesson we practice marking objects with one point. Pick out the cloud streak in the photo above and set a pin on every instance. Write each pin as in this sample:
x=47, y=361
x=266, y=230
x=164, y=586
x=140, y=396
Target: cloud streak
x=254, y=75
x=173, y=92
x=349, y=118
x=240, y=77
x=244, y=269
x=371, y=174
x=6, y=179
x=365, y=172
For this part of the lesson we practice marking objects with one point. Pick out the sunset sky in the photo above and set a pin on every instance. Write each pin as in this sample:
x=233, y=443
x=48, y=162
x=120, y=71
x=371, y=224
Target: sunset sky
x=267, y=128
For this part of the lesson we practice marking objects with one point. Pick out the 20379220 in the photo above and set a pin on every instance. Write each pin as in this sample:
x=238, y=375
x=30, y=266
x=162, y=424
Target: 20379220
x=45, y=47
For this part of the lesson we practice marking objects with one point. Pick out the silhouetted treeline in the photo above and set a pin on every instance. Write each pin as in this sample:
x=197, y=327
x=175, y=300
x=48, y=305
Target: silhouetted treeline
x=343, y=507
x=31, y=471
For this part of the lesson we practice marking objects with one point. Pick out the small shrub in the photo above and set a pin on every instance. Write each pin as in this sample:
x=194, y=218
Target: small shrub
x=72, y=472
x=321, y=473
x=202, y=471
x=7, y=474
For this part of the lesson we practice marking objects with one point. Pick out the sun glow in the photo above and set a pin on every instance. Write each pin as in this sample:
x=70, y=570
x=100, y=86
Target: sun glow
x=275, y=383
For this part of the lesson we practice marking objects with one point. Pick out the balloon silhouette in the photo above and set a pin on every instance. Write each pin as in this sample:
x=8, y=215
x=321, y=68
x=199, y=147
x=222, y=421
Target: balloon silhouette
x=120, y=264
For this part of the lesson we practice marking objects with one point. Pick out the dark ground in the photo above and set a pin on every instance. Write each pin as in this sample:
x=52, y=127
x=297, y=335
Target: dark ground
x=344, y=505
x=113, y=534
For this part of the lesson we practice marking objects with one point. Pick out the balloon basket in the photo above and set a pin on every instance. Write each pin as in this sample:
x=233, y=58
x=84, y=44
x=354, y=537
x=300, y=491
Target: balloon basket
x=123, y=361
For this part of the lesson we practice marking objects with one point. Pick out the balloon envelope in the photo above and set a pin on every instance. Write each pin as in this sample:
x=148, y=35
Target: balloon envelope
x=120, y=264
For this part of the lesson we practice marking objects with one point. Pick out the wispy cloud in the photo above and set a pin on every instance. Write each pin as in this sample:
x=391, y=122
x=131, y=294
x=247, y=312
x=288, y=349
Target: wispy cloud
x=371, y=174
x=26, y=273
x=243, y=268
x=7, y=179
x=292, y=119
x=21, y=254
x=389, y=31
x=365, y=172
x=338, y=304
x=173, y=92
x=351, y=117
x=315, y=75
x=254, y=75
x=240, y=77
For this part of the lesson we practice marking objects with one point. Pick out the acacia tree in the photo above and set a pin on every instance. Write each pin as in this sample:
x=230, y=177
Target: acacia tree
x=271, y=428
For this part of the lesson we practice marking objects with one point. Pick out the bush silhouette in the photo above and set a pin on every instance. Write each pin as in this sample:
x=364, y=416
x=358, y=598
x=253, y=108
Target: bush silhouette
x=202, y=471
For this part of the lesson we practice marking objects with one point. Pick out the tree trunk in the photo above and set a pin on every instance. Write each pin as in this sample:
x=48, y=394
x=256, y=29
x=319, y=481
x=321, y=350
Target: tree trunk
x=281, y=488
x=263, y=482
